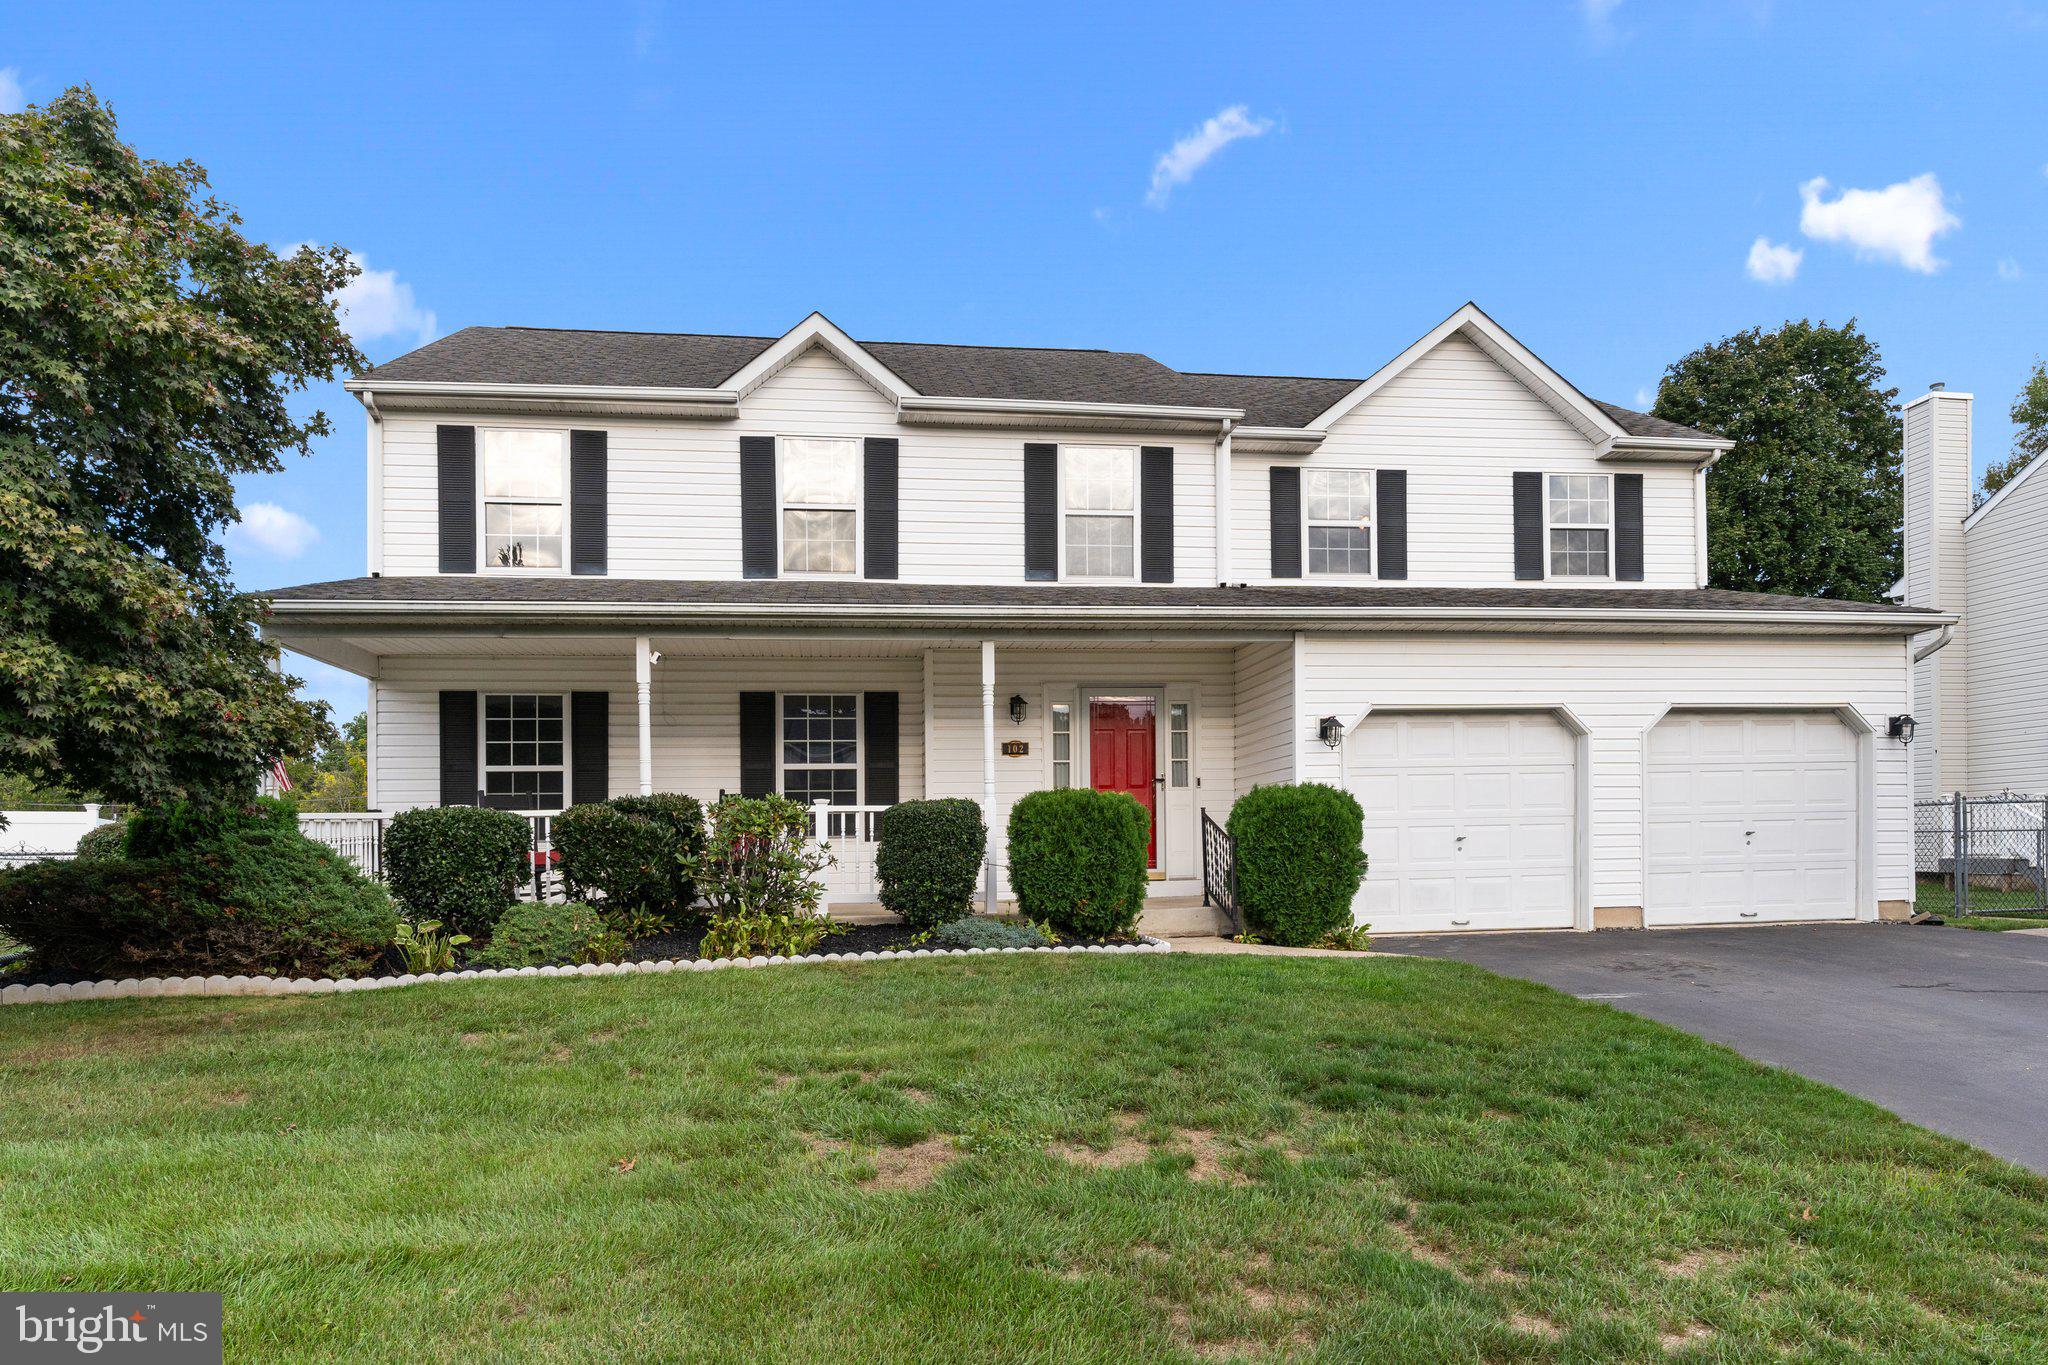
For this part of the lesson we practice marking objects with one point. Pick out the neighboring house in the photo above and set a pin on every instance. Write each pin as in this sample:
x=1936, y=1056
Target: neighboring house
x=864, y=572
x=1978, y=699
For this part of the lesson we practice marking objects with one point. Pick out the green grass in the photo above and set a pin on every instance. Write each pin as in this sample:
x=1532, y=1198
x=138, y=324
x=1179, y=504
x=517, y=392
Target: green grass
x=1934, y=896
x=1386, y=1159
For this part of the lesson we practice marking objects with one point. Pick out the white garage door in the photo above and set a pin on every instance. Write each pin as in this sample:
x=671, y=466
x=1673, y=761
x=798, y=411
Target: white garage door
x=1469, y=821
x=1752, y=818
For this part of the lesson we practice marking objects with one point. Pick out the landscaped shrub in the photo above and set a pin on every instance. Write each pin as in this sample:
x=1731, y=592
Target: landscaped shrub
x=1299, y=860
x=760, y=875
x=456, y=864
x=979, y=931
x=928, y=858
x=177, y=826
x=1077, y=860
x=103, y=842
x=259, y=899
x=545, y=935
x=637, y=852
x=422, y=948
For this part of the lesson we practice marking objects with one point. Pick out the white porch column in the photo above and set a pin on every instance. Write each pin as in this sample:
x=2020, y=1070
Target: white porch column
x=988, y=769
x=643, y=684
x=1223, y=503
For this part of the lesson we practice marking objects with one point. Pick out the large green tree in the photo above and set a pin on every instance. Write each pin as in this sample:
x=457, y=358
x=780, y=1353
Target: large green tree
x=147, y=355
x=1808, y=501
x=2030, y=417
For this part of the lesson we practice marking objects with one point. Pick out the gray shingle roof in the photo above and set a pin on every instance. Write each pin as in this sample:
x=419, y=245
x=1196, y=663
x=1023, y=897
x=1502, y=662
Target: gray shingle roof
x=456, y=590
x=695, y=360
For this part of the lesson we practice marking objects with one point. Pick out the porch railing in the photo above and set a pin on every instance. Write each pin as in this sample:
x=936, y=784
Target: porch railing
x=851, y=834
x=359, y=837
x=1219, y=871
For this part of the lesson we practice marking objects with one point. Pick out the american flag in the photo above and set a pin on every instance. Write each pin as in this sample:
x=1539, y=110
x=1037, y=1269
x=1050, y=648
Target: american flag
x=278, y=775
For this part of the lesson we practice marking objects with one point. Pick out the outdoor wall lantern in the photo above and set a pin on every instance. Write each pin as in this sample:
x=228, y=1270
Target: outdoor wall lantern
x=1330, y=730
x=1017, y=709
x=1902, y=728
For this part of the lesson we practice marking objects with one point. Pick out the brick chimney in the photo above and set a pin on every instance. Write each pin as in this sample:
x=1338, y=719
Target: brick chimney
x=1938, y=487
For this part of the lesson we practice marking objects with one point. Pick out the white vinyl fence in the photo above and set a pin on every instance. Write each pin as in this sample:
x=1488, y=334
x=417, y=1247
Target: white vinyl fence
x=51, y=832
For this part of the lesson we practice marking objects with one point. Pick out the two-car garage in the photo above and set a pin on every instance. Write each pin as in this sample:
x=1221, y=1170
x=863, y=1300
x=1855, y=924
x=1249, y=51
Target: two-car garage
x=1476, y=819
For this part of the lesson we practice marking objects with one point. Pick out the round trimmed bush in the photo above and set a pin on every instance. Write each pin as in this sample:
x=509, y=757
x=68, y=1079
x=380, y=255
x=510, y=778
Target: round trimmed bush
x=176, y=827
x=102, y=842
x=929, y=858
x=1077, y=860
x=1299, y=860
x=457, y=864
x=538, y=934
x=636, y=852
x=980, y=931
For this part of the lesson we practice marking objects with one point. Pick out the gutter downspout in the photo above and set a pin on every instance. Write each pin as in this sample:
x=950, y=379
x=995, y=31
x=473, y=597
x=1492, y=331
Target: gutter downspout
x=1223, y=518
x=1938, y=643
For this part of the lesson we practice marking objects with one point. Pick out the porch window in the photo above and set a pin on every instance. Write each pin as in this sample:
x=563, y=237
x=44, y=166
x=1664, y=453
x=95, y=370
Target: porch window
x=523, y=751
x=1177, y=747
x=820, y=504
x=821, y=748
x=1339, y=513
x=1062, y=745
x=1581, y=522
x=523, y=477
x=1100, y=497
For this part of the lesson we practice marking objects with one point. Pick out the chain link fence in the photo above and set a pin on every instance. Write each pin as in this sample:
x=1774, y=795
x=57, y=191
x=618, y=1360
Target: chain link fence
x=1981, y=855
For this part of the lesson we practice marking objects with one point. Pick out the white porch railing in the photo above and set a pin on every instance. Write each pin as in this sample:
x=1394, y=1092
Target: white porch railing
x=850, y=834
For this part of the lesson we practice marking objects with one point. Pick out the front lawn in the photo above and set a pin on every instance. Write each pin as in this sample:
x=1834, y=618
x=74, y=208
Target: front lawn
x=1006, y=1157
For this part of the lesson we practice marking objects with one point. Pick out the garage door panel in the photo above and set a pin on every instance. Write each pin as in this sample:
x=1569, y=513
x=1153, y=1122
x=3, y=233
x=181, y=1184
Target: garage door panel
x=1544, y=740
x=1750, y=817
x=1487, y=793
x=1428, y=792
x=1545, y=791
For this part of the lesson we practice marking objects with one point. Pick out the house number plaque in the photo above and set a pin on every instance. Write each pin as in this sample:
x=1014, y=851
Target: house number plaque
x=1016, y=748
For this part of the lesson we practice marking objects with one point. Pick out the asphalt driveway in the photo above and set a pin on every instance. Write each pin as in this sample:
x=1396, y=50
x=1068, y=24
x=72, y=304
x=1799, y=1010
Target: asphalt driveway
x=1945, y=1027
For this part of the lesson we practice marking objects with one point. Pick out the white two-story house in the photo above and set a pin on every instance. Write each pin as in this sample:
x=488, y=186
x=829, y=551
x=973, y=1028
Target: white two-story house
x=865, y=572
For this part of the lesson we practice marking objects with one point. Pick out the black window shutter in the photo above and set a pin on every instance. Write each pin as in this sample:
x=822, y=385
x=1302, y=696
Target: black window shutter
x=460, y=780
x=1391, y=494
x=1528, y=525
x=590, y=747
x=1628, y=527
x=1155, y=501
x=757, y=507
x=589, y=501
x=1041, y=513
x=878, y=506
x=757, y=744
x=455, y=472
x=880, y=726
x=1285, y=484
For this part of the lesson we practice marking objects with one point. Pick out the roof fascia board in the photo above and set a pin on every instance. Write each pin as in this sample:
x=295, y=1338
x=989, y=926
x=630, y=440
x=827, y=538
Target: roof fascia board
x=1517, y=359
x=1039, y=407
x=817, y=330
x=430, y=388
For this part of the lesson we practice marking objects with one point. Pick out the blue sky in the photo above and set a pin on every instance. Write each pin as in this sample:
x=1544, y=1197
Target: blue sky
x=1269, y=189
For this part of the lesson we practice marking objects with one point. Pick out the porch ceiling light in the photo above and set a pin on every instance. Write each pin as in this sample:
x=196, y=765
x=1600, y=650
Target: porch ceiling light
x=1902, y=728
x=1330, y=730
x=1016, y=709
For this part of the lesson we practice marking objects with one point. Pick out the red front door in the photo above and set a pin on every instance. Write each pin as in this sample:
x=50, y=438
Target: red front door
x=1122, y=755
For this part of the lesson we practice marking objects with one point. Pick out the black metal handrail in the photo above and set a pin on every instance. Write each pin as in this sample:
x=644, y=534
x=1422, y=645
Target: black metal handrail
x=1219, y=871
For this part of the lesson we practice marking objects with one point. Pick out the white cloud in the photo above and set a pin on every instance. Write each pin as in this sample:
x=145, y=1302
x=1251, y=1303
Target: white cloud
x=2009, y=269
x=1599, y=16
x=285, y=534
x=1897, y=223
x=13, y=99
x=1646, y=398
x=1770, y=263
x=1177, y=164
x=377, y=304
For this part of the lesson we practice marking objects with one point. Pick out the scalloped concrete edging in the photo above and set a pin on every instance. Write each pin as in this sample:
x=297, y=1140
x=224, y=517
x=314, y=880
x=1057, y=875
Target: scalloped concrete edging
x=151, y=987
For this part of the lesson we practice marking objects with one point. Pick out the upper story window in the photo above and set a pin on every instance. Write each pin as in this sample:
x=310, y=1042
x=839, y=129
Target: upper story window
x=1099, y=501
x=820, y=505
x=1338, y=509
x=524, y=474
x=1580, y=518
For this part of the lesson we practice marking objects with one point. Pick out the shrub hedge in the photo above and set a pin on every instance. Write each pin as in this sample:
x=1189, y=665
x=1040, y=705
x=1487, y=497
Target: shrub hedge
x=980, y=931
x=928, y=858
x=457, y=864
x=544, y=935
x=637, y=852
x=1077, y=860
x=1299, y=860
x=103, y=842
x=250, y=899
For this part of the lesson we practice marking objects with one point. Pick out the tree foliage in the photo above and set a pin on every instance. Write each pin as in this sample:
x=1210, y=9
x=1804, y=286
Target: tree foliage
x=2030, y=415
x=147, y=354
x=338, y=776
x=1808, y=501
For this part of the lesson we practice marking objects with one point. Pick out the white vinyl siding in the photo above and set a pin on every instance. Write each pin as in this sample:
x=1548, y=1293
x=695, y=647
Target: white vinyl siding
x=2008, y=646
x=1265, y=715
x=1938, y=574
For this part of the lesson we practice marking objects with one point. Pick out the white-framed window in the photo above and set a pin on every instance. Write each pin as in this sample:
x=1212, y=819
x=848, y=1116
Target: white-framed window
x=1337, y=510
x=821, y=747
x=525, y=475
x=1099, y=510
x=820, y=505
x=1580, y=518
x=1179, y=744
x=1062, y=714
x=525, y=750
